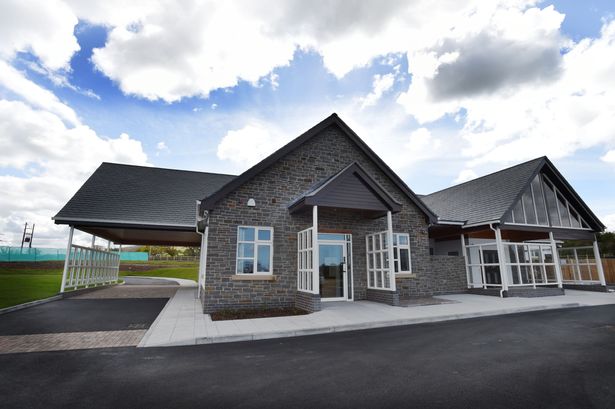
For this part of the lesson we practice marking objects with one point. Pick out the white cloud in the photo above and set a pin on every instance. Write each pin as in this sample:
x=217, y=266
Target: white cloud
x=609, y=221
x=609, y=157
x=50, y=162
x=248, y=145
x=44, y=27
x=36, y=95
x=161, y=146
x=465, y=175
x=380, y=85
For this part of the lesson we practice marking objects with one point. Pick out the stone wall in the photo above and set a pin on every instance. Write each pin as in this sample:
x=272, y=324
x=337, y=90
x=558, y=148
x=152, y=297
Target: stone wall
x=448, y=274
x=307, y=301
x=383, y=296
x=273, y=190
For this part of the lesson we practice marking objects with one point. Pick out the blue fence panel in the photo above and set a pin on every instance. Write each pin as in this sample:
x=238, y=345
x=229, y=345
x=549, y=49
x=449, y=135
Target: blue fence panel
x=17, y=254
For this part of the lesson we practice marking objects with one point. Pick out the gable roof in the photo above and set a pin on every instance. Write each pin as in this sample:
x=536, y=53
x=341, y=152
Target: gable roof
x=350, y=188
x=491, y=197
x=209, y=201
x=140, y=195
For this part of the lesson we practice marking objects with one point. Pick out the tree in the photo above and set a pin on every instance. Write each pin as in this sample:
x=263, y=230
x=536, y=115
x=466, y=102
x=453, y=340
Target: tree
x=606, y=241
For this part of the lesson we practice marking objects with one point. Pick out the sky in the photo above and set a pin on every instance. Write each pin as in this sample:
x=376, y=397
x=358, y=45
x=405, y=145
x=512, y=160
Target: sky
x=443, y=91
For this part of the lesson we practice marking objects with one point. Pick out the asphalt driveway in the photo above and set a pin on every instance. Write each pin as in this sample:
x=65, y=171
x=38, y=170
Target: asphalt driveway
x=559, y=358
x=83, y=315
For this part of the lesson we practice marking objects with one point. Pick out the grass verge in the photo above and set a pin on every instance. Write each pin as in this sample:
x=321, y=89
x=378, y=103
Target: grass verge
x=19, y=285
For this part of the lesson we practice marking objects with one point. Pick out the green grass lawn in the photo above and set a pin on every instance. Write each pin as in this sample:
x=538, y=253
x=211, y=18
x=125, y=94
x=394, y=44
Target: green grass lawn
x=18, y=286
x=189, y=273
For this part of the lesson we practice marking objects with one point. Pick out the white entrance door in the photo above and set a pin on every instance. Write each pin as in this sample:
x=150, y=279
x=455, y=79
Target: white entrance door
x=333, y=271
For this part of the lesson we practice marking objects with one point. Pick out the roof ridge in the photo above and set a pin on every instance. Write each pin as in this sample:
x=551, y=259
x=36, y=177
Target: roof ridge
x=161, y=168
x=484, y=176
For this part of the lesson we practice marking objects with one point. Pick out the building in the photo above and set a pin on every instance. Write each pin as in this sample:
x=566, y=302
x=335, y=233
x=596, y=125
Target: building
x=324, y=218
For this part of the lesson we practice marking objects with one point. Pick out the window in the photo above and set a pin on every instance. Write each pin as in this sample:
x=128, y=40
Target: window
x=401, y=253
x=254, y=250
x=378, y=258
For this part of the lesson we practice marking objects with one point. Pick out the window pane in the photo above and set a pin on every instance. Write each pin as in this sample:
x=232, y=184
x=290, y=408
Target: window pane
x=403, y=239
x=404, y=259
x=574, y=218
x=528, y=202
x=551, y=204
x=563, y=210
x=245, y=250
x=245, y=266
x=264, y=235
x=331, y=236
x=540, y=202
x=246, y=234
x=262, y=260
x=518, y=213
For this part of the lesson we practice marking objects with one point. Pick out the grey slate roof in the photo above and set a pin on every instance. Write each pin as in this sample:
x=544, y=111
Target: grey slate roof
x=141, y=195
x=486, y=198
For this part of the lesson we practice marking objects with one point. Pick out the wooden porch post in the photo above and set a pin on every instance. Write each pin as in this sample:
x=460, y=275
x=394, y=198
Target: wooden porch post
x=67, y=258
x=599, y=262
x=558, y=266
x=315, y=255
x=500, y=247
x=392, y=284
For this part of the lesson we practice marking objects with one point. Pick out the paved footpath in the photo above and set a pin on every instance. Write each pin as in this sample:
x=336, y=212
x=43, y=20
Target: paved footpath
x=182, y=322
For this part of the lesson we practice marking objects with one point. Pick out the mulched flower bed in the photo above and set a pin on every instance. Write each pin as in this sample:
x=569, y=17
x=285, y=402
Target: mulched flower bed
x=224, y=315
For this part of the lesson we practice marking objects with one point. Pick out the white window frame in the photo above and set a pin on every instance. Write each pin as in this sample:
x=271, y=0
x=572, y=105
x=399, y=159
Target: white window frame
x=396, y=248
x=256, y=243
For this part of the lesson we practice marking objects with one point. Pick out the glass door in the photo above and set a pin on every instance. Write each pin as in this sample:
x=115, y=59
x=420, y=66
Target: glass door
x=333, y=271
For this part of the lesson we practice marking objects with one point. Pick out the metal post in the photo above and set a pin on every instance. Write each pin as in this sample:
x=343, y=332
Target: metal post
x=392, y=284
x=315, y=256
x=558, y=266
x=599, y=263
x=70, y=243
x=500, y=247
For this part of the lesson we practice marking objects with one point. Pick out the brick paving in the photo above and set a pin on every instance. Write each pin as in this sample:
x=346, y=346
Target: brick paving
x=131, y=291
x=71, y=340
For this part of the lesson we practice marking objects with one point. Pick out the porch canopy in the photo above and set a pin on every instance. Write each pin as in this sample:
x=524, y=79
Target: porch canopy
x=518, y=221
x=350, y=189
x=127, y=204
x=140, y=205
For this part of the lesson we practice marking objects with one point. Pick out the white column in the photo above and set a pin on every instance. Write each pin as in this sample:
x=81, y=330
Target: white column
x=503, y=273
x=558, y=266
x=392, y=284
x=315, y=256
x=67, y=258
x=90, y=269
x=599, y=262
x=465, y=256
x=203, y=261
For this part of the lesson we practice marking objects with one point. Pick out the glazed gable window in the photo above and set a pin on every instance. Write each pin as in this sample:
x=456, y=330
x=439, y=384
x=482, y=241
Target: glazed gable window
x=254, y=250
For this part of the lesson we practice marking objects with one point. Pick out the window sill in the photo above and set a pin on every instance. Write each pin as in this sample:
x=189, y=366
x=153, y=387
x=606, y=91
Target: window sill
x=405, y=275
x=253, y=277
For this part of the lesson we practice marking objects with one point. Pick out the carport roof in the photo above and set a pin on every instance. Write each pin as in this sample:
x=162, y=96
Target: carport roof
x=119, y=195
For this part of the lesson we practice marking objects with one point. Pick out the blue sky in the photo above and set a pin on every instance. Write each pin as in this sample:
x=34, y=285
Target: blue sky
x=186, y=90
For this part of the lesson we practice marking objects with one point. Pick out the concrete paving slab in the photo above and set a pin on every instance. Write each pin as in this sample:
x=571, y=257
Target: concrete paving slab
x=181, y=322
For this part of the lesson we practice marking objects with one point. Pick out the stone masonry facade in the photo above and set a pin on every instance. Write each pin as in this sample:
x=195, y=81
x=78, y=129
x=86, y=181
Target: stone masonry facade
x=273, y=190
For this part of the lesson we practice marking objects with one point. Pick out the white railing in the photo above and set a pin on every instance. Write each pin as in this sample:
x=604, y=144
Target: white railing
x=89, y=267
x=525, y=264
x=305, y=269
x=579, y=265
